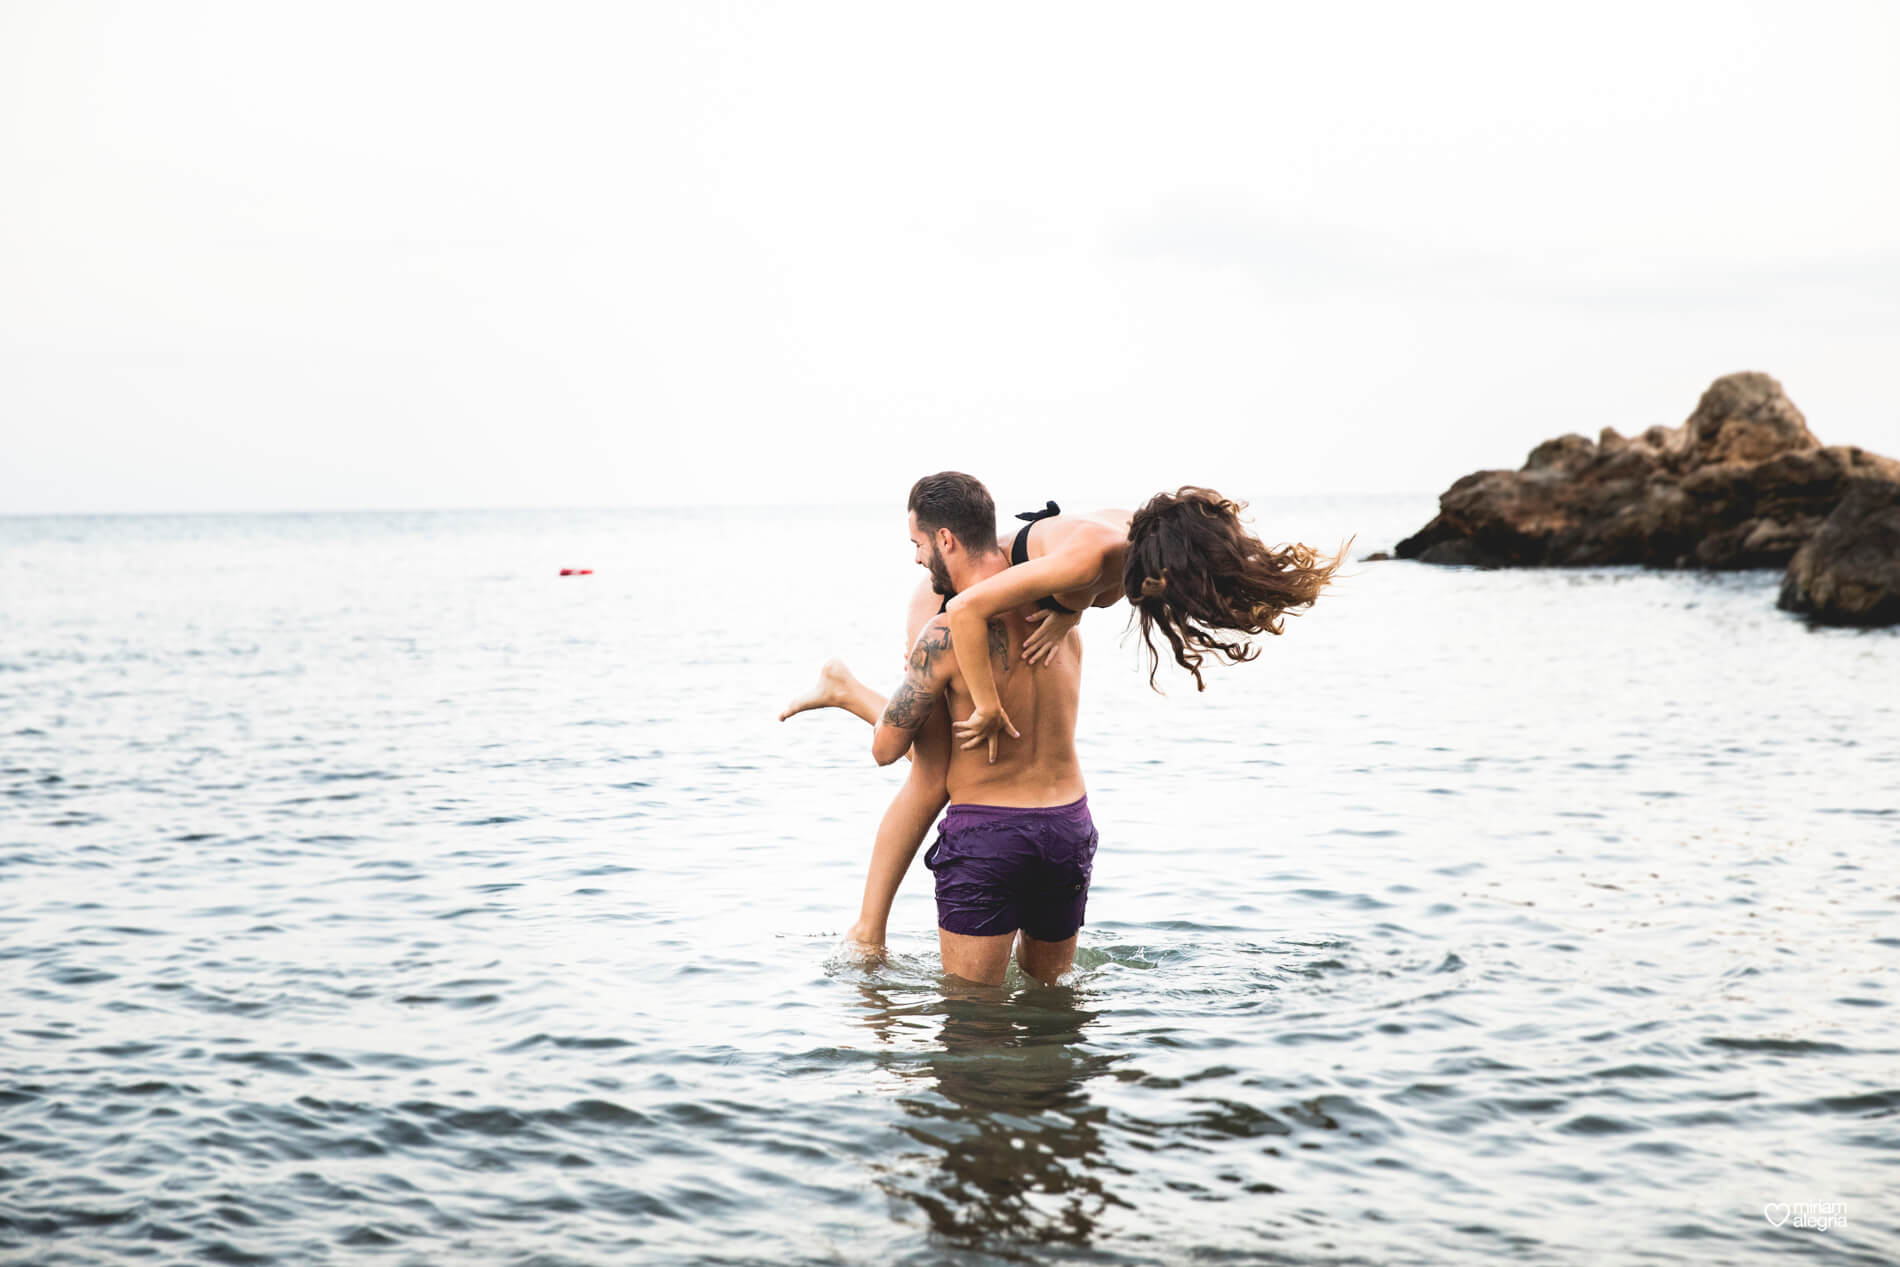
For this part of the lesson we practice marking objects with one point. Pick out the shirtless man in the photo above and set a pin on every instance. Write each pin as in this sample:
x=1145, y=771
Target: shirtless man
x=1015, y=849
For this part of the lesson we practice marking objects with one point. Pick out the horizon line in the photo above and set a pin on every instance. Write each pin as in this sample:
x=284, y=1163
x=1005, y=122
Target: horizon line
x=590, y=508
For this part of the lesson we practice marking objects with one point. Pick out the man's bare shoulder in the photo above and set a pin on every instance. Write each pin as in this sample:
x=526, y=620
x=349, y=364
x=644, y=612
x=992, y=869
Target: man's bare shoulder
x=931, y=652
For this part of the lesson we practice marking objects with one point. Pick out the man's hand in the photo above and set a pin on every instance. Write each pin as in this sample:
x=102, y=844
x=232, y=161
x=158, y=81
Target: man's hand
x=982, y=727
x=1050, y=629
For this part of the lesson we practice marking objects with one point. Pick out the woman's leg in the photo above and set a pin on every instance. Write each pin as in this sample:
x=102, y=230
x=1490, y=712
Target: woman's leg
x=904, y=826
x=838, y=688
x=917, y=803
x=912, y=810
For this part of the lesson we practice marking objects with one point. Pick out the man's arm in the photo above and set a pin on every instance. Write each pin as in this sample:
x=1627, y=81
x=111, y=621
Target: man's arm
x=931, y=663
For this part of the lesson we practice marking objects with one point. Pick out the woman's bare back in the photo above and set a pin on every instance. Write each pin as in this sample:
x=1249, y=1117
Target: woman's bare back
x=1102, y=533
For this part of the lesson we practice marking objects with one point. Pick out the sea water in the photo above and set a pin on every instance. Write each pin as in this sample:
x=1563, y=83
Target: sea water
x=369, y=891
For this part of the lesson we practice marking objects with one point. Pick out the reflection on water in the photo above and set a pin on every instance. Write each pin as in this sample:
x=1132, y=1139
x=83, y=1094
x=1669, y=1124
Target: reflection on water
x=1012, y=1148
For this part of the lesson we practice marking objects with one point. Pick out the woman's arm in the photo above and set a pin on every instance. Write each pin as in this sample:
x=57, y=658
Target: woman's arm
x=1076, y=566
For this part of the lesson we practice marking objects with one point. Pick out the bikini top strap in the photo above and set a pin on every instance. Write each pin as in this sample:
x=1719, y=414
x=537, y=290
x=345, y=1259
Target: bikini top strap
x=1049, y=511
x=1019, y=549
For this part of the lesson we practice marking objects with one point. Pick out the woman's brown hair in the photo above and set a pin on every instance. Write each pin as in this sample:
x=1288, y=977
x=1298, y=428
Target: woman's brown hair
x=1192, y=569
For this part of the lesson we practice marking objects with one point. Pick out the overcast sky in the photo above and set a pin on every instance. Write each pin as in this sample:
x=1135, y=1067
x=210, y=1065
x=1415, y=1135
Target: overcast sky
x=274, y=256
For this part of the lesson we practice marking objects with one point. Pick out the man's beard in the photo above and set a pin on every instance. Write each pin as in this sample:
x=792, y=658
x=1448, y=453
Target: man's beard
x=939, y=574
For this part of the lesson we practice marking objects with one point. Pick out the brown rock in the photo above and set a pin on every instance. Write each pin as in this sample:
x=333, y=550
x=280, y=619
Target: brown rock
x=1753, y=543
x=1563, y=453
x=1744, y=418
x=1742, y=483
x=1458, y=553
x=1848, y=573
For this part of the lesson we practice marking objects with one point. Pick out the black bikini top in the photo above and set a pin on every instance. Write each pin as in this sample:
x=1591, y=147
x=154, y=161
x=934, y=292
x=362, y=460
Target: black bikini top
x=1019, y=551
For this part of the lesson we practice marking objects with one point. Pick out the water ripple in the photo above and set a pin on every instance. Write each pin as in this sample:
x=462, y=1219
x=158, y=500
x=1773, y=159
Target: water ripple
x=379, y=898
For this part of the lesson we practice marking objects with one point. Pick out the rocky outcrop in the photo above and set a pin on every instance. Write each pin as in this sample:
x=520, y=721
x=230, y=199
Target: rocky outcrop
x=1742, y=483
x=1848, y=573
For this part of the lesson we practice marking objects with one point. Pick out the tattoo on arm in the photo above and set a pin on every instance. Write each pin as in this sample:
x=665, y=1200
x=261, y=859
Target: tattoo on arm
x=909, y=707
x=930, y=648
x=915, y=698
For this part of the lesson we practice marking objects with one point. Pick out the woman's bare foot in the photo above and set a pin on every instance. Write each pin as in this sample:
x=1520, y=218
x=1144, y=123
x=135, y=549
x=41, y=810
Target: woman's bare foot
x=834, y=687
x=866, y=942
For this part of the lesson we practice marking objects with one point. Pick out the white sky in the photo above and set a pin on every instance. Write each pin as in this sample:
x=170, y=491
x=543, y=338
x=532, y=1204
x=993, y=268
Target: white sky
x=264, y=256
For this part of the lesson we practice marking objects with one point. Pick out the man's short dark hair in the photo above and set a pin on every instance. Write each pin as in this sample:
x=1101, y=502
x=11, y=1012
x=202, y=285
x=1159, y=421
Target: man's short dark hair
x=959, y=502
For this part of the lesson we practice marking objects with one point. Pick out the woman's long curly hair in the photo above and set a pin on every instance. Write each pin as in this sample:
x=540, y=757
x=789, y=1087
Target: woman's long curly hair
x=1193, y=570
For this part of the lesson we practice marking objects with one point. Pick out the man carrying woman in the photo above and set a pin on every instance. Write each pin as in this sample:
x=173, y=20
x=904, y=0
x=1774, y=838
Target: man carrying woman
x=1013, y=858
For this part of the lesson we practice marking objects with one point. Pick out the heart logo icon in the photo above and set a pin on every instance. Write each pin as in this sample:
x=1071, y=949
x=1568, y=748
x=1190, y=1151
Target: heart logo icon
x=1776, y=1212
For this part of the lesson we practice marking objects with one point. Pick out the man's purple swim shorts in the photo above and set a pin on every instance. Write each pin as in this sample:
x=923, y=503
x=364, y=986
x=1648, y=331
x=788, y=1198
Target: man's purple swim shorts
x=1000, y=868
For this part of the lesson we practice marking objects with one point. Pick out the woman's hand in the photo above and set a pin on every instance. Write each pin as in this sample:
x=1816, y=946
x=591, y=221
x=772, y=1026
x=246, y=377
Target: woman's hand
x=1051, y=628
x=983, y=726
